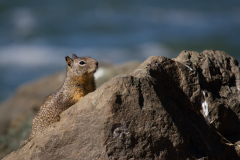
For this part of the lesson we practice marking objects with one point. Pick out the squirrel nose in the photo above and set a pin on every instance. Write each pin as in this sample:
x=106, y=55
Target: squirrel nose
x=97, y=63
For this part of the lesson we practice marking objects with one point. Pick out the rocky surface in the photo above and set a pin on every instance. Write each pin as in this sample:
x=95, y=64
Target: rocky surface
x=219, y=77
x=16, y=113
x=155, y=112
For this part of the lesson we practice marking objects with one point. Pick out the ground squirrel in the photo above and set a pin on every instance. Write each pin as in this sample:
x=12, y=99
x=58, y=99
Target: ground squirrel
x=78, y=82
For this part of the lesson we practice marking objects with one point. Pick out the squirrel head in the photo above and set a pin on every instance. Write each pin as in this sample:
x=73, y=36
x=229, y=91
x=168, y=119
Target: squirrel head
x=78, y=66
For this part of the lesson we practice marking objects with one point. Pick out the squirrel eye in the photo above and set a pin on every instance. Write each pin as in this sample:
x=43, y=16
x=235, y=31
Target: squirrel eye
x=82, y=63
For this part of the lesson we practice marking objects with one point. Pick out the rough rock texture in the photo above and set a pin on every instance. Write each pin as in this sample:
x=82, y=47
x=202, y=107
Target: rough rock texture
x=152, y=113
x=219, y=77
x=16, y=113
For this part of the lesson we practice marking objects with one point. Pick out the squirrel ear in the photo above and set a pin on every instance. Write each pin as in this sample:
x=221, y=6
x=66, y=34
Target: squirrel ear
x=69, y=61
x=74, y=56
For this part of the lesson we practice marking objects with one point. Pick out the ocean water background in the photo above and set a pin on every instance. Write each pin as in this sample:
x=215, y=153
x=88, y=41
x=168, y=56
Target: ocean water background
x=35, y=36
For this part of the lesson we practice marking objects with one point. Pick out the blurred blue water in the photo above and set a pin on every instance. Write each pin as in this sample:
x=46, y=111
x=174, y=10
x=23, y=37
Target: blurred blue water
x=35, y=36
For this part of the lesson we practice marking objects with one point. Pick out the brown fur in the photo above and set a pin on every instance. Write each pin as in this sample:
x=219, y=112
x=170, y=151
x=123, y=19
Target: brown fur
x=78, y=82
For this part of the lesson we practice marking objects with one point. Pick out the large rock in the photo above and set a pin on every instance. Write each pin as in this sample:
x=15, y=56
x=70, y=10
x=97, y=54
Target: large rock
x=16, y=113
x=152, y=113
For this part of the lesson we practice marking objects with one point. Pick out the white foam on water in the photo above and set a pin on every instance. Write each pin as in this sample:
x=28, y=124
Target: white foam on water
x=29, y=55
x=37, y=55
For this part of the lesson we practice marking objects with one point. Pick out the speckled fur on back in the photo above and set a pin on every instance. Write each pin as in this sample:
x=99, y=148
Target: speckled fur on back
x=78, y=82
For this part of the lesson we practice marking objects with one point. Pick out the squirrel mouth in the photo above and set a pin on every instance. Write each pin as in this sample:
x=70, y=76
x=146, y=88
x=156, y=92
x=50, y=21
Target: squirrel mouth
x=93, y=71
